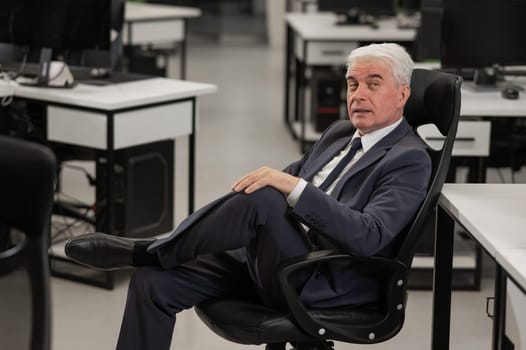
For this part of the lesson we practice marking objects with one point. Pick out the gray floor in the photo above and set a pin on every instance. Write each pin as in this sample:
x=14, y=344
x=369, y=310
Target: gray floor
x=240, y=128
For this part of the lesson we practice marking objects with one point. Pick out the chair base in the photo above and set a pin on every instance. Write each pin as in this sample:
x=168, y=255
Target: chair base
x=320, y=345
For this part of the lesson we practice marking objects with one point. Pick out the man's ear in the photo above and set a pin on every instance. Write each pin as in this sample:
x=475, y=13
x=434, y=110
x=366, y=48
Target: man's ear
x=405, y=92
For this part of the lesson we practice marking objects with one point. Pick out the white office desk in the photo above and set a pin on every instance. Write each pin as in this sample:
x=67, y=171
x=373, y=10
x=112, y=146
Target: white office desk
x=122, y=115
x=322, y=26
x=314, y=39
x=136, y=11
x=118, y=95
x=146, y=24
x=494, y=215
x=491, y=103
x=513, y=260
x=513, y=296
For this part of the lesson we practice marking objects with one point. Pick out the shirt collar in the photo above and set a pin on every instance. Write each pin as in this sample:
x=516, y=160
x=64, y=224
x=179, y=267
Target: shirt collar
x=370, y=139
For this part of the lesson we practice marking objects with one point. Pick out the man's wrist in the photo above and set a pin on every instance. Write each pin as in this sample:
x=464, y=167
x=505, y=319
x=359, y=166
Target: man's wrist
x=295, y=194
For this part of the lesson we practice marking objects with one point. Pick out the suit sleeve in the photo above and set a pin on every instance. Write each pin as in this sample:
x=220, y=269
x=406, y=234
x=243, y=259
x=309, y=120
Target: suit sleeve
x=392, y=195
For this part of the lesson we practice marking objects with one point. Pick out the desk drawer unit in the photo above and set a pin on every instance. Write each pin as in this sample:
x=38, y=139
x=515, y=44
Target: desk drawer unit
x=131, y=127
x=515, y=318
x=323, y=53
x=473, y=138
x=154, y=31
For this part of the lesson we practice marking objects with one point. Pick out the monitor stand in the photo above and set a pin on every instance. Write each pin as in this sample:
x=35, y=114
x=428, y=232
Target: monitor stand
x=486, y=77
x=484, y=80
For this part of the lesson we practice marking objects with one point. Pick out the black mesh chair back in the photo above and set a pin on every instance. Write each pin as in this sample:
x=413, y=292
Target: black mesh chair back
x=26, y=196
x=435, y=99
x=429, y=88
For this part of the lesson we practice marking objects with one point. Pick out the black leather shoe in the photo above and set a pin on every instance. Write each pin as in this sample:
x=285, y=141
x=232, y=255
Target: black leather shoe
x=101, y=251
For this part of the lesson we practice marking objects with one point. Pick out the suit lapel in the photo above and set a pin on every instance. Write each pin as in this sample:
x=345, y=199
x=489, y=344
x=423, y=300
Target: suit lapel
x=326, y=156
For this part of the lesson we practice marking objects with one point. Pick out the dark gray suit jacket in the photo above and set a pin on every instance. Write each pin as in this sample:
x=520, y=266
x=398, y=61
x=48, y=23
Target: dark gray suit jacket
x=369, y=207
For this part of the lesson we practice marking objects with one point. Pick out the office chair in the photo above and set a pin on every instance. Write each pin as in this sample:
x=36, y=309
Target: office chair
x=508, y=145
x=26, y=198
x=435, y=99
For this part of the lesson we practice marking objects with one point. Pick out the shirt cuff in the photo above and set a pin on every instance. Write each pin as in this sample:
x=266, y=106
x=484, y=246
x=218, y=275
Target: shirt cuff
x=294, y=196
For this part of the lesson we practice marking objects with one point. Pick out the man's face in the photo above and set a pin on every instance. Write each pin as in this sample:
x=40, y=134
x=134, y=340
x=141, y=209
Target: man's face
x=374, y=100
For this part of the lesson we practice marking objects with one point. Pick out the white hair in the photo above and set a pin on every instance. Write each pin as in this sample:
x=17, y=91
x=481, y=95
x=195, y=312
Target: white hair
x=393, y=54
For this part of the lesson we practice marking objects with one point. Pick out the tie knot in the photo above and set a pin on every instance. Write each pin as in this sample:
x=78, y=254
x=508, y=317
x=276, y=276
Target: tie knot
x=356, y=143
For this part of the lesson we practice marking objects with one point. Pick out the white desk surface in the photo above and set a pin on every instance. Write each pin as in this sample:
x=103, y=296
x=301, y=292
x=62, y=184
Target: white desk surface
x=491, y=104
x=142, y=12
x=321, y=26
x=119, y=95
x=513, y=261
x=488, y=103
x=494, y=214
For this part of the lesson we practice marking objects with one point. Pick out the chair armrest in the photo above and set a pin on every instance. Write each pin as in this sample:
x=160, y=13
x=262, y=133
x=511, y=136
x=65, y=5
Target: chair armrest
x=11, y=258
x=318, y=328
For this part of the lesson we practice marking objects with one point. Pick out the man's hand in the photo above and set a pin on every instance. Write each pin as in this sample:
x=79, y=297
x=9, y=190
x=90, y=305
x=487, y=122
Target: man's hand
x=266, y=176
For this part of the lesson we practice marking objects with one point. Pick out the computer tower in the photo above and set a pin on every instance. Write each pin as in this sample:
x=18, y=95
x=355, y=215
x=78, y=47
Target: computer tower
x=326, y=85
x=143, y=190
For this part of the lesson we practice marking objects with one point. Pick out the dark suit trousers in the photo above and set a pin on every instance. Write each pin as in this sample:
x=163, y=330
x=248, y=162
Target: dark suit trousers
x=195, y=267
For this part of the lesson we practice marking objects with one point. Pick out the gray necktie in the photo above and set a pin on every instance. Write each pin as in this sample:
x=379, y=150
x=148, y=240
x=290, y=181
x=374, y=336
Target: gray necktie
x=356, y=144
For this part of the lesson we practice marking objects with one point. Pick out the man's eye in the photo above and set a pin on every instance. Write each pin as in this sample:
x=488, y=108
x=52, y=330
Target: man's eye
x=374, y=84
x=352, y=86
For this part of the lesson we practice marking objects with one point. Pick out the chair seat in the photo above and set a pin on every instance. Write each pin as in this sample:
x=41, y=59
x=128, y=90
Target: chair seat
x=247, y=322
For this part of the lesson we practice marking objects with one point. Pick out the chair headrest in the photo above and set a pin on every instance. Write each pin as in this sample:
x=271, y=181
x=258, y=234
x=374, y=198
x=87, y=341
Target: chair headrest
x=435, y=98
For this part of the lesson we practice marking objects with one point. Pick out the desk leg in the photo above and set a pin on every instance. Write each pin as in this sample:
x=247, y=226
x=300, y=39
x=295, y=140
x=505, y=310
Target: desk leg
x=110, y=199
x=479, y=171
x=499, y=308
x=288, y=62
x=183, y=54
x=191, y=160
x=298, y=87
x=300, y=105
x=442, y=280
x=129, y=47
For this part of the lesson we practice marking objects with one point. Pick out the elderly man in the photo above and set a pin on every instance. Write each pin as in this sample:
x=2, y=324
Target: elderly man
x=355, y=190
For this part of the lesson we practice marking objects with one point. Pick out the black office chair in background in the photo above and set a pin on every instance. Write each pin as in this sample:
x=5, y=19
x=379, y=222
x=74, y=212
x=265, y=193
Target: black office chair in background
x=508, y=146
x=435, y=99
x=27, y=178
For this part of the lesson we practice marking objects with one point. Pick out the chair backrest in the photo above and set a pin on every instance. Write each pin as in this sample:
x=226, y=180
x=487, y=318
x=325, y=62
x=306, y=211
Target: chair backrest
x=435, y=99
x=26, y=198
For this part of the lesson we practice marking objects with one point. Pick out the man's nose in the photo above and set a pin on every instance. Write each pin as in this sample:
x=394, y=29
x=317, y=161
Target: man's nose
x=359, y=94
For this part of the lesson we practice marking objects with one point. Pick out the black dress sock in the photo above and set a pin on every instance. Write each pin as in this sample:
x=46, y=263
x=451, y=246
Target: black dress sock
x=141, y=257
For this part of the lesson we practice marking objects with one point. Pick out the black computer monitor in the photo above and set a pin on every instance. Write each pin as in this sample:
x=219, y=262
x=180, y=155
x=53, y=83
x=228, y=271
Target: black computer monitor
x=79, y=32
x=481, y=34
x=428, y=36
x=354, y=11
x=409, y=5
